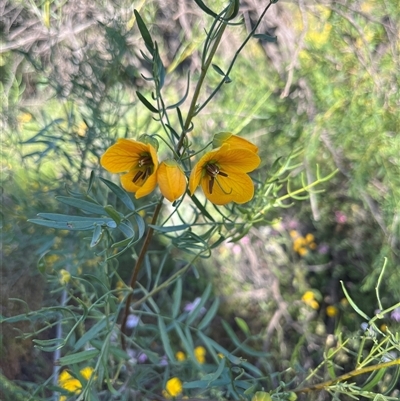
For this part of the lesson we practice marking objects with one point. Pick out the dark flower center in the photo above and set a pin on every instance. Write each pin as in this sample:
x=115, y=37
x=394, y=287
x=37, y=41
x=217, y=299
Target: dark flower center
x=145, y=165
x=213, y=171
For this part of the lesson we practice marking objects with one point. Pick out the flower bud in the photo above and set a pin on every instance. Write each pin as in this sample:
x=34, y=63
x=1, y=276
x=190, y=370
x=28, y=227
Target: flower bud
x=171, y=180
x=261, y=396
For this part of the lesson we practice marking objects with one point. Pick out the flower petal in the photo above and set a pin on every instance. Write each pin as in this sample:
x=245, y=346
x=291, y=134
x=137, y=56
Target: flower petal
x=148, y=186
x=235, y=159
x=127, y=181
x=195, y=175
x=237, y=187
x=233, y=141
x=125, y=154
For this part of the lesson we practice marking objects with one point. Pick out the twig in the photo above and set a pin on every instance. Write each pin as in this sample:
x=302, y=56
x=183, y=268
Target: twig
x=135, y=272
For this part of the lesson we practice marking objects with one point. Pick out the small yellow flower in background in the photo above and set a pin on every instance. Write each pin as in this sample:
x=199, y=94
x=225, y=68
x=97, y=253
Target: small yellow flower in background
x=309, y=299
x=24, y=118
x=222, y=174
x=383, y=327
x=301, y=245
x=137, y=160
x=233, y=141
x=171, y=180
x=120, y=285
x=72, y=384
x=344, y=302
x=173, y=388
x=200, y=354
x=65, y=276
x=81, y=128
x=332, y=311
x=180, y=356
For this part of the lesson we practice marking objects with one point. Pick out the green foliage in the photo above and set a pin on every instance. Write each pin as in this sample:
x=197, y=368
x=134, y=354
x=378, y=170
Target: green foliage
x=265, y=299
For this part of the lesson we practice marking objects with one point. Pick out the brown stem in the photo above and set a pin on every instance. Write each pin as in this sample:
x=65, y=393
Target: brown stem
x=136, y=272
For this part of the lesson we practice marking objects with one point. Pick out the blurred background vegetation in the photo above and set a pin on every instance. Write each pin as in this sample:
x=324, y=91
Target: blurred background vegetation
x=328, y=86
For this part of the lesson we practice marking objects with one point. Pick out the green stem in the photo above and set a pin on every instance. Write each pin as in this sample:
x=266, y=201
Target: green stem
x=346, y=376
x=193, y=104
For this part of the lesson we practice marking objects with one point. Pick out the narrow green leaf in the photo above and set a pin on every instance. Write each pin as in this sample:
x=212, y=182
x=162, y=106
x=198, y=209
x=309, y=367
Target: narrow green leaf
x=90, y=334
x=146, y=103
x=177, y=297
x=127, y=229
x=173, y=106
x=50, y=345
x=195, y=312
x=243, y=326
x=237, y=342
x=186, y=344
x=201, y=208
x=66, y=217
x=264, y=36
x=218, y=70
x=96, y=237
x=64, y=225
x=214, y=376
x=141, y=225
x=165, y=339
x=373, y=379
x=353, y=305
x=78, y=357
x=120, y=194
x=113, y=213
x=82, y=205
x=209, y=316
x=170, y=229
x=208, y=342
x=144, y=32
x=91, y=180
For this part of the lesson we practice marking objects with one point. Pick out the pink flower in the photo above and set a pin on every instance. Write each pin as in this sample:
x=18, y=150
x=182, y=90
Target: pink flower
x=340, y=217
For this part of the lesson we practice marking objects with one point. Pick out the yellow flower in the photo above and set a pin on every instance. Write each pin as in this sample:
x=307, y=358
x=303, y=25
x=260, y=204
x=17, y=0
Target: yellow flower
x=180, y=356
x=72, y=384
x=332, y=311
x=222, y=174
x=200, y=354
x=309, y=299
x=173, y=388
x=138, y=160
x=65, y=276
x=171, y=180
x=233, y=141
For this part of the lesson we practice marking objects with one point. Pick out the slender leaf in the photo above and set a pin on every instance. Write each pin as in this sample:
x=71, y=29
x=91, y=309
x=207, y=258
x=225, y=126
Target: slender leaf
x=82, y=205
x=90, y=334
x=177, y=297
x=146, y=102
x=195, y=312
x=144, y=32
x=78, y=357
x=170, y=229
x=267, y=38
x=96, y=236
x=209, y=316
x=120, y=194
x=165, y=339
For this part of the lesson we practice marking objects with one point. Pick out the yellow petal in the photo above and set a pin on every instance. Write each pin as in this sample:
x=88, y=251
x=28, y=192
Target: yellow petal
x=127, y=181
x=231, y=159
x=233, y=141
x=148, y=186
x=123, y=155
x=195, y=177
x=87, y=372
x=171, y=180
x=237, y=187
